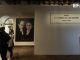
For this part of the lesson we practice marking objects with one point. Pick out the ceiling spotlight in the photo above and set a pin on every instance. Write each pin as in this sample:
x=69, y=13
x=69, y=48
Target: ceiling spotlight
x=76, y=5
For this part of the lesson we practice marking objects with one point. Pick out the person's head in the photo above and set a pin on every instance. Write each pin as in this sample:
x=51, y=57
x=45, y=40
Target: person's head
x=11, y=31
x=21, y=24
x=2, y=29
x=10, y=27
x=28, y=26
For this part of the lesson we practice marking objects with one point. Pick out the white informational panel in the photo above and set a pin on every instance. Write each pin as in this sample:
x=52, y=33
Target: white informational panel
x=64, y=18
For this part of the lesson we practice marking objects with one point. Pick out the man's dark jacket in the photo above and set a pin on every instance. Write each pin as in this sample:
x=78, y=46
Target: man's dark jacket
x=4, y=38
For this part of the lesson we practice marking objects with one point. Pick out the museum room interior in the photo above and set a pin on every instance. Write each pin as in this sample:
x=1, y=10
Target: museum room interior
x=42, y=29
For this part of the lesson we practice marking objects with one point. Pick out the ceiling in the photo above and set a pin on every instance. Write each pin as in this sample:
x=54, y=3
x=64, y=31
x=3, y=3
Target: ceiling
x=38, y=2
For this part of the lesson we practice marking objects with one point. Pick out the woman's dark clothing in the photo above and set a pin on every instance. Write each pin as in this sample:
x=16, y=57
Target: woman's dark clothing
x=11, y=45
x=30, y=36
x=10, y=49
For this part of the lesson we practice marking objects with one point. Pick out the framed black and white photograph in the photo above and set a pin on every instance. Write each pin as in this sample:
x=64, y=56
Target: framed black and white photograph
x=24, y=30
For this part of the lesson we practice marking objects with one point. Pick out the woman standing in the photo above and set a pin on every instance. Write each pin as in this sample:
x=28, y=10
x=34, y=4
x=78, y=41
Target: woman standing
x=11, y=42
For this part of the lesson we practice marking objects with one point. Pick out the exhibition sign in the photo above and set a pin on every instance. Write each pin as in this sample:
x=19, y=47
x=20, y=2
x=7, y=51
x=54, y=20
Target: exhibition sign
x=64, y=18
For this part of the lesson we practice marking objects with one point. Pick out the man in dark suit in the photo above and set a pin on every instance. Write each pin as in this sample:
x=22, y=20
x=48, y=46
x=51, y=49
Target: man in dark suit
x=4, y=39
x=20, y=31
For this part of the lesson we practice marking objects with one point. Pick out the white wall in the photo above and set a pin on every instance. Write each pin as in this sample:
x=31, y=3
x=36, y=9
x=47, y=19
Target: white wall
x=56, y=39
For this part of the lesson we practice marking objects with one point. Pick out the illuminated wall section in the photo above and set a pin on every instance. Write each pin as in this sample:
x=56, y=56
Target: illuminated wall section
x=60, y=38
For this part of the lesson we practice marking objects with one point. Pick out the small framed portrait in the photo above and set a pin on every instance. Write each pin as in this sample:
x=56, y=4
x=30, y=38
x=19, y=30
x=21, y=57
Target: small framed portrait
x=24, y=30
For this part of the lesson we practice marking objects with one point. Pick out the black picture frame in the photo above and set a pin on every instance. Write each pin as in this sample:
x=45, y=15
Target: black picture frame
x=27, y=33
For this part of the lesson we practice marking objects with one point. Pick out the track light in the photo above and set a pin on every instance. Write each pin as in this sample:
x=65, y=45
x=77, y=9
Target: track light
x=38, y=2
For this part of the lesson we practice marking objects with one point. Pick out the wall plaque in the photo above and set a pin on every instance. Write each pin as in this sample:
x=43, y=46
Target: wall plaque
x=65, y=18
